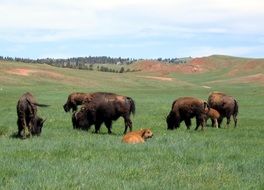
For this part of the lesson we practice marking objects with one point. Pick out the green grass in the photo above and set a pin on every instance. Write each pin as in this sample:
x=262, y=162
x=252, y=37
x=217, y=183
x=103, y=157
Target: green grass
x=63, y=158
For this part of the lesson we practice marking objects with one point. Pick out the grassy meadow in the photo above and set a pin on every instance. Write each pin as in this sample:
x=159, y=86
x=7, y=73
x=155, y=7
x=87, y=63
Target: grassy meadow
x=63, y=158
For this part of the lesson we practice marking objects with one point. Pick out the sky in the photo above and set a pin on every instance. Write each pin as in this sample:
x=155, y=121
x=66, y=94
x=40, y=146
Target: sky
x=131, y=28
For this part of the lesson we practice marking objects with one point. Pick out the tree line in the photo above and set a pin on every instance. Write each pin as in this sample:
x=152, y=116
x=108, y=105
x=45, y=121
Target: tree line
x=88, y=63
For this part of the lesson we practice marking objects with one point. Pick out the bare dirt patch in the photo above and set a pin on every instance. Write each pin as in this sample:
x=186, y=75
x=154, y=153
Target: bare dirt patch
x=158, y=78
x=22, y=72
x=27, y=72
x=257, y=78
x=248, y=66
x=164, y=69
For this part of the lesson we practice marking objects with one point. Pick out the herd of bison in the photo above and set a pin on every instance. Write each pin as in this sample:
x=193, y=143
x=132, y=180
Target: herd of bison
x=102, y=107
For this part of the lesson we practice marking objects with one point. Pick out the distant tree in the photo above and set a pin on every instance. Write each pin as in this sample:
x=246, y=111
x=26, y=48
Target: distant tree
x=122, y=70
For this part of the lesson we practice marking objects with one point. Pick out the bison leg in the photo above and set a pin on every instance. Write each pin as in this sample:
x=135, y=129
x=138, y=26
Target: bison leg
x=235, y=120
x=219, y=121
x=228, y=119
x=97, y=126
x=128, y=123
x=108, y=125
x=177, y=125
x=188, y=123
x=215, y=123
x=199, y=121
x=21, y=124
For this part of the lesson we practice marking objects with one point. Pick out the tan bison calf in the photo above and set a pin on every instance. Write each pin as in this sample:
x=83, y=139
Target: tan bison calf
x=226, y=105
x=185, y=108
x=214, y=115
x=139, y=136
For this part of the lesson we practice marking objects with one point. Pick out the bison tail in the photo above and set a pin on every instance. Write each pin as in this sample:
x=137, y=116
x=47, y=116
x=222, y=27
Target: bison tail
x=173, y=104
x=132, y=105
x=37, y=104
x=41, y=105
x=235, y=107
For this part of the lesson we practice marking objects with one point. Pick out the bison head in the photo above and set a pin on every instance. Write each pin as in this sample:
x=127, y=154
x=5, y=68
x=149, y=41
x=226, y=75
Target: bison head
x=66, y=107
x=170, y=121
x=80, y=119
x=147, y=133
x=37, y=126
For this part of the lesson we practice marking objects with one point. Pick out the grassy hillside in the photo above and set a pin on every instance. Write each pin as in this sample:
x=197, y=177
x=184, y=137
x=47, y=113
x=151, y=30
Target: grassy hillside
x=63, y=158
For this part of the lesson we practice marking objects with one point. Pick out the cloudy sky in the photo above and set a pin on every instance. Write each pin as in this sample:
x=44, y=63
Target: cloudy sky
x=131, y=28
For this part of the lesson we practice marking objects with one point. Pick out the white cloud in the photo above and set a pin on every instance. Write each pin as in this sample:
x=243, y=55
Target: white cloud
x=32, y=21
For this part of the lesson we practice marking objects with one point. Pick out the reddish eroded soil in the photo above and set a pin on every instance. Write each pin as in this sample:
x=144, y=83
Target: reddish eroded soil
x=246, y=67
x=27, y=72
x=164, y=69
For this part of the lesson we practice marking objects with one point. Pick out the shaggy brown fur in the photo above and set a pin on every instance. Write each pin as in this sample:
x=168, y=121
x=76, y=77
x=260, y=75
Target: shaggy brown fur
x=226, y=105
x=214, y=115
x=79, y=98
x=137, y=136
x=75, y=99
x=185, y=108
x=28, y=122
x=104, y=109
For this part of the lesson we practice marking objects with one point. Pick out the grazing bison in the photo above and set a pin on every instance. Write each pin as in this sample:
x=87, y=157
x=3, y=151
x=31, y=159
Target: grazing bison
x=226, y=105
x=137, y=136
x=28, y=122
x=104, y=109
x=185, y=108
x=214, y=115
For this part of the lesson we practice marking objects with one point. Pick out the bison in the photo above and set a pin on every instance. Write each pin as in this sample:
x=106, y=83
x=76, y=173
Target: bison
x=75, y=99
x=137, y=136
x=104, y=109
x=185, y=108
x=214, y=115
x=79, y=98
x=28, y=122
x=226, y=105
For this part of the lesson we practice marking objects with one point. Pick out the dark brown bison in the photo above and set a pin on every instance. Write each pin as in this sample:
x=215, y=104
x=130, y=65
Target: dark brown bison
x=75, y=99
x=28, y=122
x=185, y=108
x=79, y=98
x=104, y=109
x=226, y=105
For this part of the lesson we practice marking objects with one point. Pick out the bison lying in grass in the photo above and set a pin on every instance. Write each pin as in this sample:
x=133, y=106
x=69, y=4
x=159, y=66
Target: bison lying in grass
x=226, y=105
x=185, y=108
x=28, y=122
x=139, y=136
x=104, y=108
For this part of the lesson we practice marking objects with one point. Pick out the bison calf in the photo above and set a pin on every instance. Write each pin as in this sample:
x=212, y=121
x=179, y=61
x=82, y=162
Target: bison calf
x=104, y=109
x=226, y=105
x=185, y=108
x=28, y=122
x=137, y=136
x=214, y=115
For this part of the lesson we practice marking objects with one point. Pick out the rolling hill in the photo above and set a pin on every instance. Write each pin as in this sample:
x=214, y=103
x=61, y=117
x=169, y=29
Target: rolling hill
x=63, y=158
